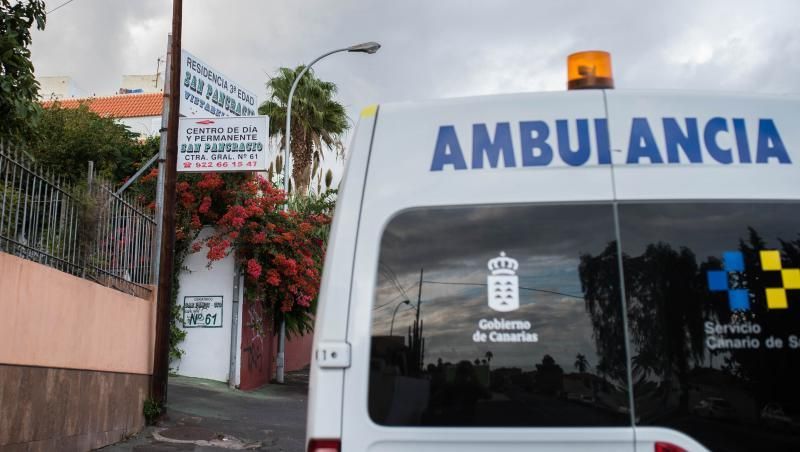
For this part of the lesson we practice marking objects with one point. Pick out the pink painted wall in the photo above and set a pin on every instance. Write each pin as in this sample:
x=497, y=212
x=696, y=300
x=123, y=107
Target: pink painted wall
x=260, y=349
x=53, y=319
x=298, y=352
x=257, y=360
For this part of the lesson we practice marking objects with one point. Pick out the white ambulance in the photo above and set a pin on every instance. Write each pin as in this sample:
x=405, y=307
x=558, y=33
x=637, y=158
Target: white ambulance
x=585, y=270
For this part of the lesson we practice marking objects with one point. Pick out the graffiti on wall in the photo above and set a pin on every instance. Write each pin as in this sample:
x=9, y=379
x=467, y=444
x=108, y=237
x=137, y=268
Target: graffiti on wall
x=254, y=351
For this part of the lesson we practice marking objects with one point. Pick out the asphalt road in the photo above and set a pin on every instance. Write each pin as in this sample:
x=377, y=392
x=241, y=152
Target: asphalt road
x=268, y=419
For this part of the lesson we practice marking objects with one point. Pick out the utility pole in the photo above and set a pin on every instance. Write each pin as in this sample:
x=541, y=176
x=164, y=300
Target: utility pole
x=417, y=347
x=158, y=389
x=419, y=294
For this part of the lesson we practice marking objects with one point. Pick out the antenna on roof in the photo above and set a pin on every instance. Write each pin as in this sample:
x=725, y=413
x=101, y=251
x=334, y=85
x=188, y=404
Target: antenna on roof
x=158, y=71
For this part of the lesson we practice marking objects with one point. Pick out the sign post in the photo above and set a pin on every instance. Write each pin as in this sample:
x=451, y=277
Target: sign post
x=158, y=387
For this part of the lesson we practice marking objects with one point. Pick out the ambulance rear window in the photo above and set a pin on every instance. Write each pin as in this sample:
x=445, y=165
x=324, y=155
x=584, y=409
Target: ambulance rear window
x=714, y=319
x=493, y=316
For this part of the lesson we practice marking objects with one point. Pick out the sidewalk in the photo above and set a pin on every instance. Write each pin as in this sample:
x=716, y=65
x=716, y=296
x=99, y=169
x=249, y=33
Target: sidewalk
x=204, y=415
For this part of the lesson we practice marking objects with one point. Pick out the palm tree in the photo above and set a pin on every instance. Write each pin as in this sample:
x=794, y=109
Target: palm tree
x=317, y=120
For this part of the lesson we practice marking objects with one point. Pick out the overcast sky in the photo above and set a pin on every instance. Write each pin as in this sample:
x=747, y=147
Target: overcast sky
x=434, y=49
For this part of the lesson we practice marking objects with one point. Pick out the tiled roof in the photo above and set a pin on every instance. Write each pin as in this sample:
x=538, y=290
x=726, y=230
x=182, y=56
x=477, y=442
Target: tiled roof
x=121, y=106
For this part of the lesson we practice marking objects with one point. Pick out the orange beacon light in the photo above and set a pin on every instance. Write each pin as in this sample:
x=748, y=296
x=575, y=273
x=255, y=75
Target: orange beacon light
x=589, y=70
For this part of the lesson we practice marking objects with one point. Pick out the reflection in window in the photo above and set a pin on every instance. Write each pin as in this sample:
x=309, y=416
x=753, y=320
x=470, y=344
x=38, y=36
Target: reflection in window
x=712, y=355
x=495, y=316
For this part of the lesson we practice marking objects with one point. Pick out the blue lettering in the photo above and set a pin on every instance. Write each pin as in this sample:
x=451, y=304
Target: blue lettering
x=447, y=139
x=580, y=155
x=681, y=138
x=531, y=142
x=482, y=144
x=642, y=143
x=713, y=127
x=689, y=142
x=770, y=143
x=603, y=141
x=741, y=140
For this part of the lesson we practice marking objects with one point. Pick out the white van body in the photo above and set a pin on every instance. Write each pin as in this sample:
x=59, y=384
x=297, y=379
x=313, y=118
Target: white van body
x=730, y=150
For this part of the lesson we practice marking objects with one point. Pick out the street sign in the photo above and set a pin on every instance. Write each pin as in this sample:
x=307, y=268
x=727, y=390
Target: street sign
x=207, y=92
x=223, y=144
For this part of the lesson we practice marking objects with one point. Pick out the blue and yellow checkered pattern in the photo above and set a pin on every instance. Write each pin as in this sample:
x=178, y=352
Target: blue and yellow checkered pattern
x=739, y=299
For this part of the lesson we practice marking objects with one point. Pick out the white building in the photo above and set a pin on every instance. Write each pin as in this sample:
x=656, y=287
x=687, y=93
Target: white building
x=149, y=83
x=140, y=112
x=57, y=87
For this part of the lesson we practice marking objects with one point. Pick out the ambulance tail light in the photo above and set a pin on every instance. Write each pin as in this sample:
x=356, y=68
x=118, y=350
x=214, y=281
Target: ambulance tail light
x=325, y=445
x=589, y=70
x=668, y=447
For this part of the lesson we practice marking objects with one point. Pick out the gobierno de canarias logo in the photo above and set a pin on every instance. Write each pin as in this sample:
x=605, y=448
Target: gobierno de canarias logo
x=739, y=298
x=503, y=296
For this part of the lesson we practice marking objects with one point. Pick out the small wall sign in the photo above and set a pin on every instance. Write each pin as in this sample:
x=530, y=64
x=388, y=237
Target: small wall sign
x=202, y=311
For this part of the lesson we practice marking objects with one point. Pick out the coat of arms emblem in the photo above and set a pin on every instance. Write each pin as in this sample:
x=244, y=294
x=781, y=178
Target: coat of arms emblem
x=503, y=283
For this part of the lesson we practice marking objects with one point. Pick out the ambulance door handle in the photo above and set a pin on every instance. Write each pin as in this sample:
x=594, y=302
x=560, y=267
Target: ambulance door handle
x=332, y=355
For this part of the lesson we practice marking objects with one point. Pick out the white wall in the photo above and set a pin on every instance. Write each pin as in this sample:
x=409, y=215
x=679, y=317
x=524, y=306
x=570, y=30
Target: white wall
x=207, y=350
x=144, y=125
x=58, y=87
x=149, y=83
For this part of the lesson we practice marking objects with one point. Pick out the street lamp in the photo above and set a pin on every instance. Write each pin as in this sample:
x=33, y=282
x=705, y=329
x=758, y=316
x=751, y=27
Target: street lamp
x=391, y=326
x=366, y=47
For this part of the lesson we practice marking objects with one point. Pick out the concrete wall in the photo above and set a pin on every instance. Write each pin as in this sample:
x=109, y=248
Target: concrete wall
x=148, y=83
x=58, y=87
x=298, y=352
x=207, y=349
x=75, y=359
x=146, y=126
x=47, y=409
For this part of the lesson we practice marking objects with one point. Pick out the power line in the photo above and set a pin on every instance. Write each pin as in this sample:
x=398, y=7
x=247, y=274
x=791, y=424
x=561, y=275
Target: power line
x=387, y=272
x=392, y=276
x=388, y=302
x=394, y=299
x=521, y=288
x=60, y=6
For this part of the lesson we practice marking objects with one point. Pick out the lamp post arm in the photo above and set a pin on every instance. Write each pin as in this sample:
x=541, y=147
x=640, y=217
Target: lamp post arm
x=288, y=138
x=391, y=326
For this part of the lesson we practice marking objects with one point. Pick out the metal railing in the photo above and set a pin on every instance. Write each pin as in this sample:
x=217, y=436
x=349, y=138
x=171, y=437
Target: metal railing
x=87, y=231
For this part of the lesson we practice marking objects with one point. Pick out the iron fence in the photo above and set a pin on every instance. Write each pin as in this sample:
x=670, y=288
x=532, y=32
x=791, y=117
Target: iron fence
x=82, y=229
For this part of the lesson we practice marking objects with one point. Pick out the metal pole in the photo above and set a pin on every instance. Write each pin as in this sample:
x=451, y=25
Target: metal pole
x=161, y=352
x=162, y=155
x=141, y=170
x=419, y=294
x=367, y=47
x=280, y=365
x=237, y=276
